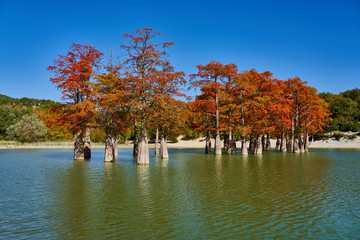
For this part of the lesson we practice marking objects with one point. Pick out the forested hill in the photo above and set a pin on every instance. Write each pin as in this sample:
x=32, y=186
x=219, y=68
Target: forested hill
x=345, y=110
x=27, y=102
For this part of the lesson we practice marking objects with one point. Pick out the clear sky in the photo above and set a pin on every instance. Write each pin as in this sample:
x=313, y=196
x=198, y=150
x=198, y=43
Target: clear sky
x=318, y=41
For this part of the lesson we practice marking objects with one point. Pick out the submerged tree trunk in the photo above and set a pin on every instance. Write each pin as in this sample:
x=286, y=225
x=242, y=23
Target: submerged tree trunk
x=283, y=143
x=208, y=142
x=268, y=143
x=263, y=142
x=289, y=143
x=87, y=144
x=252, y=143
x=116, y=147
x=79, y=146
x=278, y=143
x=143, y=153
x=292, y=135
x=231, y=144
x=110, y=148
x=231, y=140
x=296, y=146
x=226, y=143
x=234, y=142
x=244, y=150
x=163, y=145
x=218, y=145
x=258, y=144
x=136, y=141
x=217, y=137
x=306, y=142
x=157, y=143
x=302, y=143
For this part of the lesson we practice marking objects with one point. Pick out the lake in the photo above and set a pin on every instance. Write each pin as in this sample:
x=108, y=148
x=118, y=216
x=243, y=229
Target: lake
x=44, y=194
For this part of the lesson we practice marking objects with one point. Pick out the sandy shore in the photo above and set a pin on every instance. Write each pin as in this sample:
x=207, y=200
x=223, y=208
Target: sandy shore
x=183, y=144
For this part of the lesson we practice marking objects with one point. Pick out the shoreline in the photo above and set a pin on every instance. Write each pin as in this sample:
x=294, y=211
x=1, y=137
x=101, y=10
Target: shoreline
x=182, y=144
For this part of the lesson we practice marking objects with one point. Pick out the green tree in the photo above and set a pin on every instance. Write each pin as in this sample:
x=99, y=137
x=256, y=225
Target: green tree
x=345, y=111
x=29, y=129
x=9, y=116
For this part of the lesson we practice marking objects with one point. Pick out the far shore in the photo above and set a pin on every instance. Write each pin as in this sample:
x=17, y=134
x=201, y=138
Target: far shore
x=182, y=144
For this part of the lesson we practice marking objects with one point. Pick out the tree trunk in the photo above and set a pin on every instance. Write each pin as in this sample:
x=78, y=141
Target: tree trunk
x=283, y=143
x=218, y=145
x=292, y=135
x=278, y=143
x=217, y=137
x=208, y=142
x=302, y=143
x=163, y=145
x=79, y=146
x=231, y=147
x=109, y=148
x=263, y=142
x=116, y=147
x=87, y=144
x=306, y=142
x=268, y=143
x=289, y=143
x=157, y=143
x=244, y=150
x=233, y=142
x=252, y=144
x=136, y=141
x=226, y=143
x=143, y=154
x=296, y=146
x=258, y=144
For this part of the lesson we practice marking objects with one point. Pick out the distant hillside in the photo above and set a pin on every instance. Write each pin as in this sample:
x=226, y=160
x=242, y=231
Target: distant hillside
x=27, y=102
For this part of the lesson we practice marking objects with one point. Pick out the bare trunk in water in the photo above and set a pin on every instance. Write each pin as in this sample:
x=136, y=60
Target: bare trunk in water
x=79, y=146
x=263, y=143
x=217, y=137
x=258, y=144
x=306, y=142
x=278, y=142
x=163, y=145
x=244, y=150
x=208, y=142
x=116, y=147
x=136, y=140
x=252, y=143
x=283, y=143
x=302, y=143
x=226, y=143
x=296, y=146
x=231, y=147
x=87, y=144
x=268, y=143
x=292, y=135
x=157, y=143
x=233, y=142
x=143, y=154
x=110, y=148
x=218, y=145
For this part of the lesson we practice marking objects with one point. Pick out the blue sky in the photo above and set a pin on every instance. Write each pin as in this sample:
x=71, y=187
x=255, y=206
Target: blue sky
x=318, y=41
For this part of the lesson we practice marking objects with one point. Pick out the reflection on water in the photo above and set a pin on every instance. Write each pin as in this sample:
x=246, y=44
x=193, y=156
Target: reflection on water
x=44, y=194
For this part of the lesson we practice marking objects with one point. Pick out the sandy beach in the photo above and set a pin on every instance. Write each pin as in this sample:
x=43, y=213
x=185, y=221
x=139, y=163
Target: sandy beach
x=182, y=144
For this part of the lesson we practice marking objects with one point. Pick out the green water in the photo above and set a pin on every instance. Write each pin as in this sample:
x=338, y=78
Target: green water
x=44, y=194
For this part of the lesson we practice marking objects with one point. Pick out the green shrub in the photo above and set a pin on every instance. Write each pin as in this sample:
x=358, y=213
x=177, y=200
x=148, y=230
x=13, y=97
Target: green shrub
x=352, y=137
x=173, y=139
x=338, y=136
x=28, y=129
